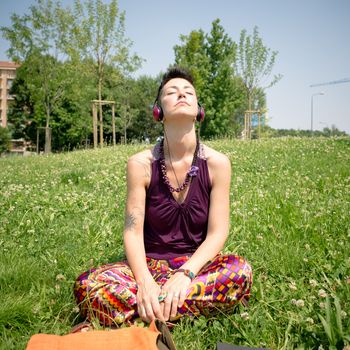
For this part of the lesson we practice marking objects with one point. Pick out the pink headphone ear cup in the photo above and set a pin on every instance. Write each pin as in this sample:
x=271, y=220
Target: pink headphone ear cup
x=157, y=113
x=201, y=113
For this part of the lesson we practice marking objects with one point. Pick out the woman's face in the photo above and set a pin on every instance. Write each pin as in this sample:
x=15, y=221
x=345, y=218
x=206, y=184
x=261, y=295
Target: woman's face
x=179, y=97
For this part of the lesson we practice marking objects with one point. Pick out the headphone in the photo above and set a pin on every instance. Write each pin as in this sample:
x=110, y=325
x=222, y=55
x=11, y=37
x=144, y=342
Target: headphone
x=158, y=112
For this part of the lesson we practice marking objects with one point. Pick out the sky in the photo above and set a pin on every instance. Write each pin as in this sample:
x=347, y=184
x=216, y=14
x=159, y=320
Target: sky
x=312, y=38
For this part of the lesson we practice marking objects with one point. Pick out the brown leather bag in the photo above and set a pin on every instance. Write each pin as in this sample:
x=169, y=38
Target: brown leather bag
x=156, y=337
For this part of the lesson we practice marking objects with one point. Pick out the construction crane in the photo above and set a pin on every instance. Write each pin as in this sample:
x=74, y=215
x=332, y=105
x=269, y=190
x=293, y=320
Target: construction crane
x=345, y=80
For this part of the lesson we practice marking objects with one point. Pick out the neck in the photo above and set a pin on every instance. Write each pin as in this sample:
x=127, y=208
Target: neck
x=181, y=142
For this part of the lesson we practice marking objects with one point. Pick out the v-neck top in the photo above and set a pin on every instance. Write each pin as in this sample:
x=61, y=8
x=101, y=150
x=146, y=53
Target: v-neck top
x=173, y=229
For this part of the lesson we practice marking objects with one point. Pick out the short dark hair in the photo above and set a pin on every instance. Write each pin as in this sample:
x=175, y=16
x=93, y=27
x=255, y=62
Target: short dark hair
x=172, y=73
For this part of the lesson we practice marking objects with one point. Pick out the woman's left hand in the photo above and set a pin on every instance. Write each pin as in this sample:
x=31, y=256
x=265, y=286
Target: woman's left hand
x=175, y=290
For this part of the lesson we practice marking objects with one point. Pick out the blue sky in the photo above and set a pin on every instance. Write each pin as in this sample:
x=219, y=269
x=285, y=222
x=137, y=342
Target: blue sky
x=311, y=36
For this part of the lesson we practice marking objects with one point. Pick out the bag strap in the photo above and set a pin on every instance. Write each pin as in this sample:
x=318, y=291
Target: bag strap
x=164, y=340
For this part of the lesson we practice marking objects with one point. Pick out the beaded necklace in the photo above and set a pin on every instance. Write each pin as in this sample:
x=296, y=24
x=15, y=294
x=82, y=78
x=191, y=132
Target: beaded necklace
x=191, y=173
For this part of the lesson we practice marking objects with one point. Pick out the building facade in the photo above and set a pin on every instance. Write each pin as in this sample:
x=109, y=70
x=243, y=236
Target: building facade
x=7, y=75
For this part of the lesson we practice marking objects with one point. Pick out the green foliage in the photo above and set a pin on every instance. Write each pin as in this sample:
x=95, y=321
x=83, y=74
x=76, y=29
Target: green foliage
x=211, y=59
x=61, y=51
x=267, y=131
x=70, y=116
x=254, y=64
x=333, y=325
x=21, y=110
x=36, y=40
x=5, y=138
x=290, y=202
x=141, y=99
x=72, y=55
x=98, y=39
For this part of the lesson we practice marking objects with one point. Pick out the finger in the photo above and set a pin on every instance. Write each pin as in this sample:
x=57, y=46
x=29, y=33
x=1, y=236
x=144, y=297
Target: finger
x=149, y=313
x=142, y=312
x=167, y=307
x=174, y=305
x=157, y=311
x=162, y=310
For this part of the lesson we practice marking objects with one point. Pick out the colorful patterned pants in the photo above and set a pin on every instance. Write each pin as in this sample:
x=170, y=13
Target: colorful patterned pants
x=109, y=292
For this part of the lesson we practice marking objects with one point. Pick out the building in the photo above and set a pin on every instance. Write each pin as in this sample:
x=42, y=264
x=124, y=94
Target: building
x=7, y=75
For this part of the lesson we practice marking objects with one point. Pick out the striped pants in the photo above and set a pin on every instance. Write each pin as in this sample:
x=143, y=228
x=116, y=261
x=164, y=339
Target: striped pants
x=108, y=293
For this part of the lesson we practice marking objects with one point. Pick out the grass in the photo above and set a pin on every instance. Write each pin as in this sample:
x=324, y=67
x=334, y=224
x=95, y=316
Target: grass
x=290, y=206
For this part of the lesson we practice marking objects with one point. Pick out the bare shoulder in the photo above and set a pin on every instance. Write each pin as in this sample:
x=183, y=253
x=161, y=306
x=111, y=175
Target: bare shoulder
x=139, y=164
x=216, y=159
x=141, y=158
x=219, y=166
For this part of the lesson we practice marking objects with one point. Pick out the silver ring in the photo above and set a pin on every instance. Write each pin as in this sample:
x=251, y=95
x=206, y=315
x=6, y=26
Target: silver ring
x=176, y=295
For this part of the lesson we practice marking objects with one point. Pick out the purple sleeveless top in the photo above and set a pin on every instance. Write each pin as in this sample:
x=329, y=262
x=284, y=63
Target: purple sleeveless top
x=172, y=229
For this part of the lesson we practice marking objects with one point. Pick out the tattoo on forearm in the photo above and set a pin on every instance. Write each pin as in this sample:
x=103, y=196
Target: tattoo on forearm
x=129, y=221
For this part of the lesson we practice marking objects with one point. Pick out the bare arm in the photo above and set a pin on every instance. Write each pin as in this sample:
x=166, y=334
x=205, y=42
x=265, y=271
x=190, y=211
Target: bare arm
x=138, y=177
x=218, y=228
x=219, y=214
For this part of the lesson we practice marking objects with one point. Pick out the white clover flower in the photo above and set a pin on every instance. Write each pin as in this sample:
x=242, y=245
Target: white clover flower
x=245, y=315
x=60, y=277
x=292, y=286
x=313, y=283
x=310, y=320
x=322, y=305
x=343, y=314
x=300, y=303
x=76, y=309
x=322, y=293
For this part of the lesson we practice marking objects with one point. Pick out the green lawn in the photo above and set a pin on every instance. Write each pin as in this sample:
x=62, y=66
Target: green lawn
x=290, y=217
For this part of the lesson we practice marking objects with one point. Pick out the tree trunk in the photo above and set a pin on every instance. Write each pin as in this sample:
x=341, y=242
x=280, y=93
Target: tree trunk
x=100, y=110
x=47, y=132
x=250, y=93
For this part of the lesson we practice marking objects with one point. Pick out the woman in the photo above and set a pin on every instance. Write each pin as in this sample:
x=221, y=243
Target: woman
x=176, y=223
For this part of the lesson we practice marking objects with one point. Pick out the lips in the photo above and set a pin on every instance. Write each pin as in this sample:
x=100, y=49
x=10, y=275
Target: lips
x=182, y=103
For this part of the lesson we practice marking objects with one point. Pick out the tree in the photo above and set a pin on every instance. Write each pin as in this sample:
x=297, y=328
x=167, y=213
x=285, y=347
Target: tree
x=254, y=64
x=142, y=99
x=37, y=39
x=98, y=40
x=211, y=59
x=192, y=54
x=63, y=50
x=5, y=138
x=21, y=110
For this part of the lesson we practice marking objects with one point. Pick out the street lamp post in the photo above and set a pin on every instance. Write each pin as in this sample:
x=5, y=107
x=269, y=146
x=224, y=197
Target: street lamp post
x=312, y=108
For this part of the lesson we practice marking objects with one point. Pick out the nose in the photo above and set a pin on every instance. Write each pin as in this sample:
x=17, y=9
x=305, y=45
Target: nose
x=181, y=94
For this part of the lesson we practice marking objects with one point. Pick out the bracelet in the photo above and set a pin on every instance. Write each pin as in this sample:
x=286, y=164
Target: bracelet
x=187, y=273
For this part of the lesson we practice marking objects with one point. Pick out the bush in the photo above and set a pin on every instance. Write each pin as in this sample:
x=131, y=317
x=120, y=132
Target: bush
x=5, y=138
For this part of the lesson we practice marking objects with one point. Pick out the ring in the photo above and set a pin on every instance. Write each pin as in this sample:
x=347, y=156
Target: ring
x=176, y=295
x=162, y=296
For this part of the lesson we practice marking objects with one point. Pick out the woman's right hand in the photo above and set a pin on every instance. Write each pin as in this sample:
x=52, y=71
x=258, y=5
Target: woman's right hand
x=148, y=306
